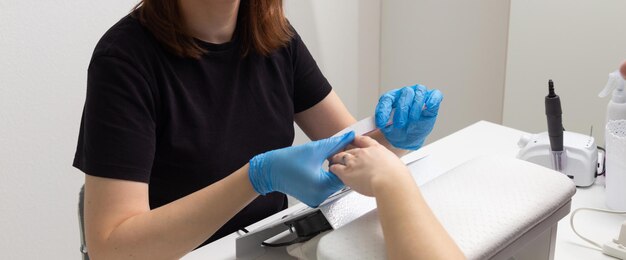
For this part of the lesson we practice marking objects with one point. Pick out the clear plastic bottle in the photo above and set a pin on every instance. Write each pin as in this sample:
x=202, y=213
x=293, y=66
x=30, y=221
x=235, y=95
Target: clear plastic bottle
x=616, y=109
x=615, y=137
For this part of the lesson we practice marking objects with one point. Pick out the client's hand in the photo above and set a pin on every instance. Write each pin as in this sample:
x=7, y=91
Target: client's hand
x=375, y=171
x=370, y=163
x=297, y=170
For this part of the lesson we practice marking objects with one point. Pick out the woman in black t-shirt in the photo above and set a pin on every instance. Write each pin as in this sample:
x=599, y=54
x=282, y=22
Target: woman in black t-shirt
x=189, y=117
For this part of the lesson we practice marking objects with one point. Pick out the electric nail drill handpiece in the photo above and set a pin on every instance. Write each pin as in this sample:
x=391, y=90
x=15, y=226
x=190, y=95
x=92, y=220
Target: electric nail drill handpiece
x=555, y=128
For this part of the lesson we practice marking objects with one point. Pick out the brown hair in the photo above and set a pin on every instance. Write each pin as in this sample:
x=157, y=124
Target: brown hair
x=261, y=26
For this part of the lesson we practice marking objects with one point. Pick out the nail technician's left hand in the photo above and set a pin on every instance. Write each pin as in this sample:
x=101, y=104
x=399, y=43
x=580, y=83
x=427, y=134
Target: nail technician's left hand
x=297, y=170
x=415, y=114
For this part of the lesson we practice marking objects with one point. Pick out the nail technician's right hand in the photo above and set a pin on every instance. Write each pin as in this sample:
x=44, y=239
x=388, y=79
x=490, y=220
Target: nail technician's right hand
x=416, y=110
x=297, y=170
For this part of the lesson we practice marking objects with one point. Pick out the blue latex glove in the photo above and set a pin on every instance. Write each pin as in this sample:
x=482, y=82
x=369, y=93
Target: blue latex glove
x=416, y=110
x=297, y=170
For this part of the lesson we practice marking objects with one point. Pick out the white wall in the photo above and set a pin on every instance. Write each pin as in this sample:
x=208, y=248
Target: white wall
x=458, y=47
x=574, y=42
x=45, y=47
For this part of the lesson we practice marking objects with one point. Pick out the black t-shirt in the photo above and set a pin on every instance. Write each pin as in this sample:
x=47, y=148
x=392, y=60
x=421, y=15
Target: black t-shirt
x=181, y=124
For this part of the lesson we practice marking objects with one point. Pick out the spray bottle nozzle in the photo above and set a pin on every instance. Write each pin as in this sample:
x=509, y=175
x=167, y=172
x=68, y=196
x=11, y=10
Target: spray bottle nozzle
x=615, y=82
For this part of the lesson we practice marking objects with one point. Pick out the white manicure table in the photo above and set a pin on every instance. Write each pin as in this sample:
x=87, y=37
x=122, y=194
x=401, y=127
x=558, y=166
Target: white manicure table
x=493, y=206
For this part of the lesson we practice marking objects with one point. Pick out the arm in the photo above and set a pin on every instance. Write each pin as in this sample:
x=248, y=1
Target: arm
x=402, y=210
x=410, y=228
x=120, y=225
x=330, y=116
x=325, y=118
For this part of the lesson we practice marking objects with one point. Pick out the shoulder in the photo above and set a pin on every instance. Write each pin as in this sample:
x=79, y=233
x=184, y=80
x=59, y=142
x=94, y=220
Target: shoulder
x=127, y=40
x=295, y=41
x=292, y=49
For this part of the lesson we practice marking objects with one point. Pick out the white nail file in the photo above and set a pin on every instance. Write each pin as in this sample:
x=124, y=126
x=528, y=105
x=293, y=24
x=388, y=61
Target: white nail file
x=362, y=127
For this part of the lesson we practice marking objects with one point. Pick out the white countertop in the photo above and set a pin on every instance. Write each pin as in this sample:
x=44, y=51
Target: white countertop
x=479, y=139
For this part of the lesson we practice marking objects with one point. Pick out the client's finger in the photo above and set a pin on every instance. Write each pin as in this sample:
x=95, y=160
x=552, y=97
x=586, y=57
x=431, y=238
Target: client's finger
x=338, y=169
x=364, y=141
x=335, y=159
x=341, y=158
x=349, y=147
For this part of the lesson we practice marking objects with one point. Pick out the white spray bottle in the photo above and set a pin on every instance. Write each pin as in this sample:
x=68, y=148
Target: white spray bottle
x=615, y=138
x=616, y=109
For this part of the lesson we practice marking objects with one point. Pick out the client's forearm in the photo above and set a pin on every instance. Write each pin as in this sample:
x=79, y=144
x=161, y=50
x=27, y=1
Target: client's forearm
x=410, y=228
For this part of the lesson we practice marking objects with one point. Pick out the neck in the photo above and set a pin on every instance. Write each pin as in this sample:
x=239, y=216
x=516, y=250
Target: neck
x=211, y=21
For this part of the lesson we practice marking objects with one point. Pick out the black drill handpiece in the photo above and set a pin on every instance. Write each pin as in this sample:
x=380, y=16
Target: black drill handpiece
x=555, y=123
